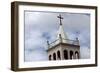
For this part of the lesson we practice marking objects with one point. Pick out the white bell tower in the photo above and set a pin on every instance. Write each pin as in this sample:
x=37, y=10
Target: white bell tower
x=63, y=48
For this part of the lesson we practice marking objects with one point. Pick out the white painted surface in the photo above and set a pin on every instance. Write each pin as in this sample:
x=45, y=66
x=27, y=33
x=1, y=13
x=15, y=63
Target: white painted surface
x=62, y=32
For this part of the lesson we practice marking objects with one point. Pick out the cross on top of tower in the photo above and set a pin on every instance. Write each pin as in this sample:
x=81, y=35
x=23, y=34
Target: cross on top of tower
x=60, y=17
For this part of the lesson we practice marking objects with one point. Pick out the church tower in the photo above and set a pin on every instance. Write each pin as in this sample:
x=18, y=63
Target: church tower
x=63, y=48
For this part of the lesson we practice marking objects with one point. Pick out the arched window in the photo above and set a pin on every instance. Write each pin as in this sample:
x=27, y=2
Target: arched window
x=65, y=54
x=76, y=55
x=58, y=55
x=71, y=55
x=49, y=57
x=54, y=56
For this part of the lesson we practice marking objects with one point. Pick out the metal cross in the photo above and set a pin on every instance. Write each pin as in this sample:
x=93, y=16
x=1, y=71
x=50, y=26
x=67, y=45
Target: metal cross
x=60, y=17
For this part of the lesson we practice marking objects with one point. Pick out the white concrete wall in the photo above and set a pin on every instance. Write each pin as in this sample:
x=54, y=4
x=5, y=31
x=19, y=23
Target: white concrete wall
x=61, y=48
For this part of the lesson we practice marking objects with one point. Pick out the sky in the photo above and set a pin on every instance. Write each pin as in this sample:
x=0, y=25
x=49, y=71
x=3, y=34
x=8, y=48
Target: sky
x=43, y=26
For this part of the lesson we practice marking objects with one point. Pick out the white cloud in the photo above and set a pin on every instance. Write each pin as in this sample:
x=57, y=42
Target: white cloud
x=85, y=53
x=35, y=55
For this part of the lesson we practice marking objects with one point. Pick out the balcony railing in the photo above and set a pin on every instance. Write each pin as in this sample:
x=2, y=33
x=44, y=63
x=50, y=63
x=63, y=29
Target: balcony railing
x=67, y=41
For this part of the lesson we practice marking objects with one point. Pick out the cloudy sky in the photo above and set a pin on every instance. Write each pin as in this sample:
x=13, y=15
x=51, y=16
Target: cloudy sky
x=43, y=26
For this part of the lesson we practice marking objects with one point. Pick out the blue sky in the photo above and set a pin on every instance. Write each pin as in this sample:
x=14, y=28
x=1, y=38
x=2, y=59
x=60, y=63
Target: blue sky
x=43, y=26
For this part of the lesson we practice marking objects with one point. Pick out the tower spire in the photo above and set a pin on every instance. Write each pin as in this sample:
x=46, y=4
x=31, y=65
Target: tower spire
x=61, y=32
x=60, y=17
